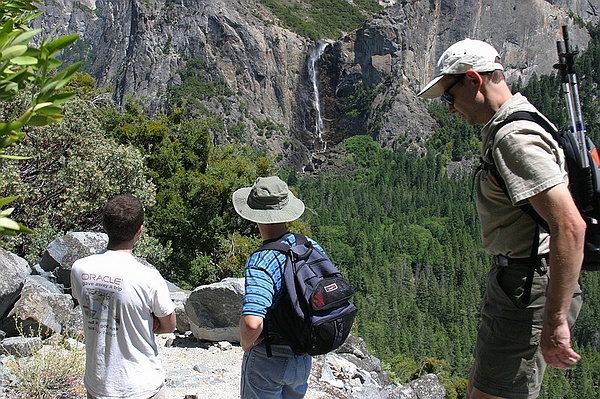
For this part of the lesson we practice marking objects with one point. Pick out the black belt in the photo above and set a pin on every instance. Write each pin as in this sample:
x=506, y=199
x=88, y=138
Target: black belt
x=279, y=342
x=276, y=340
x=501, y=260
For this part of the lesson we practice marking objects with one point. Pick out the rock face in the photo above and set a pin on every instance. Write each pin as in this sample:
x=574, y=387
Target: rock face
x=394, y=54
x=137, y=47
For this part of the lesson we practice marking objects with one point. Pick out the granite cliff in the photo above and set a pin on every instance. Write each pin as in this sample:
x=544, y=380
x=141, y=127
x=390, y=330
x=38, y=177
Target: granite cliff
x=137, y=47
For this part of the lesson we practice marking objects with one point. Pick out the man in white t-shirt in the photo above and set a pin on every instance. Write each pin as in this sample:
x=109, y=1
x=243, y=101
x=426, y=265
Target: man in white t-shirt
x=124, y=303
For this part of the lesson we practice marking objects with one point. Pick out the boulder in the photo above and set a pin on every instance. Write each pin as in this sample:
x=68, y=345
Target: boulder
x=64, y=251
x=41, y=310
x=179, y=297
x=13, y=270
x=20, y=346
x=214, y=310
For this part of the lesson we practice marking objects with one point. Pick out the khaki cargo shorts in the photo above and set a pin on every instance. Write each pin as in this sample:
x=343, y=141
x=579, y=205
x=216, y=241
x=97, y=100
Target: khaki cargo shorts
x=508, y=358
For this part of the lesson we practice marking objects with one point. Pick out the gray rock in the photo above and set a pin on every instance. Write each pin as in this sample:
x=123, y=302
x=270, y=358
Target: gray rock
x=73, y=325
x=428, y=387
x=179, y=297
x=13, y=270
x=64, y=251
x=41, y=310
x=20, y=346
x=214, y=310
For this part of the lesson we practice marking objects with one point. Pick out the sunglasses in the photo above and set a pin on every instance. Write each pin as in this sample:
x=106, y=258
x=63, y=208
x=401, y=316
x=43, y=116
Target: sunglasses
x=448, y=98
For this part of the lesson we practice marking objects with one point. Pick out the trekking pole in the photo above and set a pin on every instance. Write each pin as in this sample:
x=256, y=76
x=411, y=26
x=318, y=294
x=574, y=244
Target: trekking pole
x=568, y=56
x=566, y=86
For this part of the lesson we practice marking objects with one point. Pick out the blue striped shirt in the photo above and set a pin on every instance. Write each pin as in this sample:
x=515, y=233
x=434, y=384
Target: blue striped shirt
x=264, y=279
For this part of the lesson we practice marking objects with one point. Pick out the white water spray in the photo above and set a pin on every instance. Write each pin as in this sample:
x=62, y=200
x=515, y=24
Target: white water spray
x=315, y=56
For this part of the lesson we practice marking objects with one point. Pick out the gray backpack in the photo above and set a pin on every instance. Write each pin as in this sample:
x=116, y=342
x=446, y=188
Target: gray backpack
x=314, y=315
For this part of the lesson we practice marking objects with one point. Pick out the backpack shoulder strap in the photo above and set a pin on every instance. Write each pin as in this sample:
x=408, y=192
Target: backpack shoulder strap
x=276, y=245
x=285, y=249
x=491, y=167
x=527, y=208
x=532, y=117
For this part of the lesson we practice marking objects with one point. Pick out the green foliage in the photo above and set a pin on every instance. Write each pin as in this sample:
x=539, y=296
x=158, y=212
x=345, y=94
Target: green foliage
x=360, y=102
x=454, y=138
x=402, y=368
x=19, y=12
x=318, y=19
x=194, y=183
x=153, y=251
x=362, y=151
x=24, y=67
x=70, y=172
x=200, y=81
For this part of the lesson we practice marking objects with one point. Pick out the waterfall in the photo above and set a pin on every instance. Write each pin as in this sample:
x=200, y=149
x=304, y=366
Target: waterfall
x=315, y=55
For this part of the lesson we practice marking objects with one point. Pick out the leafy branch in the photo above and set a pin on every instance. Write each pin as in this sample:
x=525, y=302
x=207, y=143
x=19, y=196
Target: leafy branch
x=27, y=67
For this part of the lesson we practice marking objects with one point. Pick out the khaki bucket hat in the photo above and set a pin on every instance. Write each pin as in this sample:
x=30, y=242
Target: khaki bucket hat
x=268, y=201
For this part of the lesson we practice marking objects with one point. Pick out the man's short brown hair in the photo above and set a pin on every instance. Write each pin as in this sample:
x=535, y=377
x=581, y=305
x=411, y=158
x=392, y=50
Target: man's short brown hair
x=122, y=217
x=497, y=76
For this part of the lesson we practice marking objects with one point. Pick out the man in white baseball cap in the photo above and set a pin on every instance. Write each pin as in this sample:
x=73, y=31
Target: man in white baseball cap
x=458, y=59
x=532, y=296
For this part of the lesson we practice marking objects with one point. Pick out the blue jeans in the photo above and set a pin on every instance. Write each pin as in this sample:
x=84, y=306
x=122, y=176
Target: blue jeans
x=282, y=376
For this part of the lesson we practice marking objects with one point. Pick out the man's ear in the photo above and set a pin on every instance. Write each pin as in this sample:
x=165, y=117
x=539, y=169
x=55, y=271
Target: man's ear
x=140, y=230
x=474, y=77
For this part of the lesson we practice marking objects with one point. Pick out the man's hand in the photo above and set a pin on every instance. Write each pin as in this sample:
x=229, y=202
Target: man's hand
x=556, y=346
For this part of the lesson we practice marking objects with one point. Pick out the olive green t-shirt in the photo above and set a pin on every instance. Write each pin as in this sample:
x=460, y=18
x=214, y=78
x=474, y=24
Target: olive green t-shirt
x=530, y=161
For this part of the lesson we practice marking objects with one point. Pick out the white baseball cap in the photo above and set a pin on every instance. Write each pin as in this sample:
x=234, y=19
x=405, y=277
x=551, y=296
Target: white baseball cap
x=458, y=59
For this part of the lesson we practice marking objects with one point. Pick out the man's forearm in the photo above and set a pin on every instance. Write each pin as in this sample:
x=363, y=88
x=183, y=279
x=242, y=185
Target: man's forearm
x=250, y=330
x=566, y=257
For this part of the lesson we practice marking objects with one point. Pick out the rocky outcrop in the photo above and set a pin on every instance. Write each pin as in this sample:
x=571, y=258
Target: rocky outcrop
x=137, y=47
x=44, y=309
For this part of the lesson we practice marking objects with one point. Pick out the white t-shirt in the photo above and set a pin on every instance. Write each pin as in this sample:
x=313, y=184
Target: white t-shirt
x=118, y=296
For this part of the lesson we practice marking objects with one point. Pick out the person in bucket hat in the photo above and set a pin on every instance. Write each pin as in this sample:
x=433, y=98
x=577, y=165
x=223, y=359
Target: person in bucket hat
x=271, y=205
x=268, y=201
x=517, y=337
